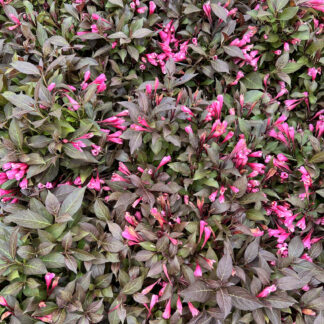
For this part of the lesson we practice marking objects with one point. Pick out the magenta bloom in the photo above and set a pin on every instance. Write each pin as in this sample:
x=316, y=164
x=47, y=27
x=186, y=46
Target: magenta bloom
x=152, y=7
x=51, y=86
x=198, y=272
x=315, y=4
x=167, y=312
x=3, y=301
x=48, y=279
x=266, y=291
x=194, y=311
x=164, y=161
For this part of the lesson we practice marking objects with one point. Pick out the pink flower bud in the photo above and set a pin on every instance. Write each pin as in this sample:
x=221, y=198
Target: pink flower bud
x=3, y=301
x=141, y=10
x=164, y=161
x=48, y=279
x=266, y=291
x=194, y=311
x=167, y=312
x=51, y=86
x=152, y=7
x=198, y=272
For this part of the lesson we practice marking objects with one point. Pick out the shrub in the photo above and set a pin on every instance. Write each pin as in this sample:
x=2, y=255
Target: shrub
x=161, y=161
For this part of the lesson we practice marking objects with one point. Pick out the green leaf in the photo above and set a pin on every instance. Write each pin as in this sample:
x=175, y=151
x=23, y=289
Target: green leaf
x=35, y=267
x=280, y=301
x=197, y=291
x=220, y=66
x=291, y=283
x=255, y=215
x=73, y=153
x=295, y=247
x=253, y=81
x=28, y=219
x=242, y=299
x=25, y=67
x=12, y=289
x=133, y=286
x=252, y=96
x=317, y=158
x=219, y=11
x=72, y=202
x=251, y=252
x=292, y=67
x=141, y=33
x=118, y=35
x=288, y=13
x=101, y=210
x=224, y=267
x=54, y=260
x=15, y=133
x=135, y=142
x=180, y=167
x=234, y=51
x=39, y=141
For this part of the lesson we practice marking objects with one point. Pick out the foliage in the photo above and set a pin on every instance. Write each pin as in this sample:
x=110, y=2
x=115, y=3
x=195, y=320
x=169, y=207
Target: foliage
x=162, y=161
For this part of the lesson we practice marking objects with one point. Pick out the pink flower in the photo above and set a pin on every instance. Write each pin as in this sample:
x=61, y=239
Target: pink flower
x=78, y=145
x=198, y=272
x=307, y=240
x=51, y=86
x=3, y=302
x=286, y=47
x=312, y=72
x=213, y=195
x=146, y=290
x=148, y=89
x=301, y=224
x=194, y=311
x=266, y=291
x=46, y=318
x=305, y=288
x=306, y=257
x=165, y=270
x=208, y=231
x=73, y=102
x=188, y=129
x=158, y=216
x=131, y=219
x=48, y=279
x=256, y=232
x=187, y=110
x=207, y=10
x=154, y=300
x=167, y=312
x=130, y=234
x=315, y=4
x=279, y=233
x=23, y=184
x=152, y=7
x=164, y=161
x=141, y=10
x=95, y=183
x=95, y=149
x=15, y=20
x=221, y=194
x=78, y=181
